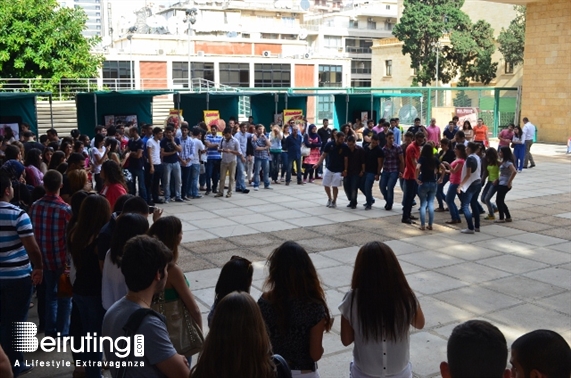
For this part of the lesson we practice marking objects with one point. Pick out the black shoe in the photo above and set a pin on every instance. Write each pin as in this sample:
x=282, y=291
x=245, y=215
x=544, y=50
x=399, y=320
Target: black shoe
x=207, y=192
x=350, y=205
x=531, y=166
x=178, y=200
x=159, y=201
x=238, y=190
x=353, y=206
x=245, y=191
x=408, y=221
x=412, y=217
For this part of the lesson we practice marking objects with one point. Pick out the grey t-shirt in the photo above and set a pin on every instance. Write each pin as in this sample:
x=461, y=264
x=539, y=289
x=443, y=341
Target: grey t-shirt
x=158, y=346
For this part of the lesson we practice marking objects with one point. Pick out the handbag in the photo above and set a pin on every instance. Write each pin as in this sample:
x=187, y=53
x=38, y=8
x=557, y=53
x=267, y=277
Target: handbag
x=305, y=151
x=64, y=288
x=183, y=331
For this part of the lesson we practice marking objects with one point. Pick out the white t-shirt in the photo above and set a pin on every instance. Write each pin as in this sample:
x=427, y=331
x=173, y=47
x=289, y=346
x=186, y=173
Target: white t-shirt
x=155, y=153
x=96, y=154
x=198, y=146
x=113, y=286
x=384, y=358
x=528, y=131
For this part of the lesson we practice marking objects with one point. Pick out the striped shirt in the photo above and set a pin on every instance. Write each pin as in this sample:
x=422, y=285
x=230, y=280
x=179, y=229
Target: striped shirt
x=213, y=153
x=392, y=159
x=50, y=216
x=14, y=225
x=187, y=151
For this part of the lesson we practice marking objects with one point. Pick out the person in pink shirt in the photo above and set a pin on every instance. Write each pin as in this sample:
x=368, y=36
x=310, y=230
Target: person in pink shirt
x=433, y=133
x=380, y=126
x=505, y=136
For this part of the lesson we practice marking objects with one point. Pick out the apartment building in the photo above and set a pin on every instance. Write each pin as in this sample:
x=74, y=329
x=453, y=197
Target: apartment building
x=95, y=15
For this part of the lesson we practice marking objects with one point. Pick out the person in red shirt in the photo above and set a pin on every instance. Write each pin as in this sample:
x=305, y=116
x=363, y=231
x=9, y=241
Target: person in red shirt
x=114, y=185
x=409, y=176
x=481, y=133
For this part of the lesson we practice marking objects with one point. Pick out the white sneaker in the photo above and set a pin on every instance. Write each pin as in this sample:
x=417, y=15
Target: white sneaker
x=333, y=205
x=467, y=231
x=329, y=203
x=256, y=188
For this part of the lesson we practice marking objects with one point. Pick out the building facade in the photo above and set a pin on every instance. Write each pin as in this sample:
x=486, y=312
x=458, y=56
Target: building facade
x=95, y=10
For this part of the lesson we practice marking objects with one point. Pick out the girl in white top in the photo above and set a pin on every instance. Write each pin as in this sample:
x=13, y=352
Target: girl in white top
x=113, y=285
x=98, y=157
x=377, y=313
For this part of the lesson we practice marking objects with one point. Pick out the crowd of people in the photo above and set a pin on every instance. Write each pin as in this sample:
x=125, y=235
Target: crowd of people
x=74, y=216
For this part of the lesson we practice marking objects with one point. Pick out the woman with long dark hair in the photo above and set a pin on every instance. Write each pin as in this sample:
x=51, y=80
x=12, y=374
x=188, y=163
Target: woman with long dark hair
x=58, y=157
x=468, y=131
x=82, y=244
x=470, y=187
x=504, y=183
x=46, y=157
x=236, y=275
x=114, y=185
x=313, y=142
x=455, y=171
x=98, y=157
x=376, y=314
x=294, y=309
x=427, y=172
x=518, y=145
x=237, y=344
x=491, y=172
x=33, y=163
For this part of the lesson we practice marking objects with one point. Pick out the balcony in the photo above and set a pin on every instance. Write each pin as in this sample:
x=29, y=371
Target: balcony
x=358, y=50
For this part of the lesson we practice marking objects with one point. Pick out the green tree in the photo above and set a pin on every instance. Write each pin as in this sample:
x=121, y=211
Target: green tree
x=39, y=39
x=512, y=40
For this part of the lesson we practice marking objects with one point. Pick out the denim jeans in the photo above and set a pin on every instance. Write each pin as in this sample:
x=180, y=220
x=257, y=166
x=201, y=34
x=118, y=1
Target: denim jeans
x=157, y=176
x=275, y=165
x=450, y=197
x=58, y=310
x=440, y=197
x=91, y=313
x=427, y=192
x=519, y=153
x=240, y=174
x=194, y=176
x=351, y=187
x=387, y=186
x=148, y=182
x=487, y=194
x=470, y=200
x=173, y=168
x=285, y=164
x=138, y=175
x=290, y=167
x=263, y=164
x=212, y=174
x=15, y=298
x=367, y=182
x=410, y=190
x=185, y=176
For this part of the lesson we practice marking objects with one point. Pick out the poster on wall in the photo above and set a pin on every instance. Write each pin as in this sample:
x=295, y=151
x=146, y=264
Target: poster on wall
x=11, y=126
x=467, y=114
x=211, y=117
x=111, y=120
x=279, y=119
x=175, y=117
x=364, y=117
x=297, y=116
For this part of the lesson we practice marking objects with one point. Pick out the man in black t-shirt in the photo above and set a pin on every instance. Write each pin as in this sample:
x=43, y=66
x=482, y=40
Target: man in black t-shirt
x=373, y=164
x=368, y=133
x=335, y=153
x=417, y=127
x=135, y=146
x=354, y=170
x=324, y=133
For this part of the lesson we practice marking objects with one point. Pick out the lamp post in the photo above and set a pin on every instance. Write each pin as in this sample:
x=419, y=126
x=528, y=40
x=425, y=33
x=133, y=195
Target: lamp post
x=131, y=30
x=437, y=47
x=190, y=20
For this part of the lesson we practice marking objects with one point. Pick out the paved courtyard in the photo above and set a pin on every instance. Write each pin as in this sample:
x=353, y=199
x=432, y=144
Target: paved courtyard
x=515, y=275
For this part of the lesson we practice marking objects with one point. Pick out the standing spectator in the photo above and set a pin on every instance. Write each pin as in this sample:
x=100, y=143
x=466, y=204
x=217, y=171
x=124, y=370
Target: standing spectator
x=324, y=134
x=114, y=185
x=528, y=135
x=393, y=127
x=199, y=150
x=261, y=146
x=146, y=134
x=540, y=353
x=242, y=137
x=76, y=162
x=46, y=157
x=376, y=314
x=393, y=166
x=505, y=136
x=481, y=133
x=313, y=142
x=470, y=188
x=454, y=169
x=185, y=157
x=285, y=160
x=275, y=152
x=446, y=154
x=450, y=131
x=230, y=149
x=293, y=148
x=354, y=164
x=33, y=161
x=50, y=216
x=368, y=133
x=414, y=129
x=334, y=154
x=433, y=132
x=409, y=176
x=504, y=183
x=294, y=308
x=212, y=142
x=18, y=247
x=468, y=131
x=518, y=145
x=155, y=164
x=373, y=164
x=427, y=168
x=170, y=148
x=98, y=156
x=136, y=162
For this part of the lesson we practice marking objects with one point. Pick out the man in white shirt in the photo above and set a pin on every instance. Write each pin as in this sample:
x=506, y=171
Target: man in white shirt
x=528, y=134
x=155, y=163
x=242, y=137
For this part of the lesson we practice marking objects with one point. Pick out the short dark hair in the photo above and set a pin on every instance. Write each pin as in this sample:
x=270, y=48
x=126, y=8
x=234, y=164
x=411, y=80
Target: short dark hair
x=419, y=134
x=135, y=204
x=52, y=181
x=545, y=351
x=461, y=133
x=143, y=257
x=340, y=134
x=390, y=133
x=5, y=183
x=477, y=349
x=350, y=138
x=195, y=131
x=98, y=129
x=52, y=131
x=169, y=128
x=157, y=130
x=417, y=119
x=227, y=130
x=120, y=203
x=111, y=131
x=185, y=126
x=409, y=134
x=375, y=137
x=75, y=158
x=444, y=141
x=325, y=119
x=11, y=152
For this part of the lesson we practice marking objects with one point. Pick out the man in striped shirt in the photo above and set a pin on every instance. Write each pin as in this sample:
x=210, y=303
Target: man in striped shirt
x=50, y=216
x=214, y=159
x=17, y=247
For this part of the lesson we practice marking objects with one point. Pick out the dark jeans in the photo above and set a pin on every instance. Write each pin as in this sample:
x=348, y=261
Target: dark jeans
x=212, y=174
x=275, y=165
x=410, y=190
x=98, y=182
x=285, y=164
x=298, y=168
x=502, y=190
x=366, y=183
x=15, y=298
x=156, y=179
x=185, y=173
x=58, y=310
x=308, y=171
x=351, y=187
x=91, y=313
x=148, y=182
x=450, y=197
x=519, y=153
x=470, y=200
x=487, y=194
x=138, y=175
x=440, y=196
x=387, y=186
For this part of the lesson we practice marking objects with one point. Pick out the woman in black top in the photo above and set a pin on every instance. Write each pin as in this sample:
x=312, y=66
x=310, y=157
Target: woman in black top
x=446, y=154
x=426, y=173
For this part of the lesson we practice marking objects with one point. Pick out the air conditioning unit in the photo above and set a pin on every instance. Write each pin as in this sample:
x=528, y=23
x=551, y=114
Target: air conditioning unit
x=266, y=53
x=200, y=53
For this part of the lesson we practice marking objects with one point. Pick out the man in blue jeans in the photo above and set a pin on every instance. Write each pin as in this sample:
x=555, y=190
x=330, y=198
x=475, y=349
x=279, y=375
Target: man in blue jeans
x=242, y=137
x=170, y=148
x=135, y=147
x=212, y=142
x=393, y=165
x=354, y=170
x=19, y=247
x=261, y=146
x=293, y=147
x=185, y=158
x=373, y=164
x=470, y=188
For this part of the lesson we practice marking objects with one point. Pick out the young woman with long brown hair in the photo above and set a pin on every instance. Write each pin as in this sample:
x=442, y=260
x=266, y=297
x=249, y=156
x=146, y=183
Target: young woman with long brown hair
x=377, y=314
x=114, y=185
x=237, y=344
x=294, y=309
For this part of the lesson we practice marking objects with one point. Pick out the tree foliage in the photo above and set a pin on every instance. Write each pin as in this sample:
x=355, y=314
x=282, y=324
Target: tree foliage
x=38, y=39
x=512, y=40
x=422, y=26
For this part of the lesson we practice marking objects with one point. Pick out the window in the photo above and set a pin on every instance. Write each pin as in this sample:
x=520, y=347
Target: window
x=358, y=46
x=413, y=72
x=180, y=74
x=361, y=66
x=269, y=36
x=371, y=25
x=388, y=25
x=288, y=21
x=235, y=74
x=388, y=68
x=353, y=24
x=202, y=71
x=272, y=75
x=330, y=42
x=388, y=7
x=509, y=68
x=97, y=14
x=290, y=37
x=244, y=35
x=97, y=7
x=330, y=76
x=361, y=83
x=117, y=74
x=325, y=106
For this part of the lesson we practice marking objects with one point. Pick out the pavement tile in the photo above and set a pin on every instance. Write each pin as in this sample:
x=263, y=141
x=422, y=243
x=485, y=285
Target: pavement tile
x=286, y=214
x=546, y=255
x=402, y=248
x=212, y=223
x=190, y=262
x=472, y=272
x=336, y=276
x=561, y=233
x=512, y=264
x=527, y=225
x=430, y=259
x=334, y=229
x=322, y=244
x=202, y=279
x=210, y=246
x=432, y=282
x=236, y=211
x=234, y=230
x=344, y=255
x=432, y=242
x=361, y=238
x=522, y=287
x=336, y=365
x=470, y=252
x=554, y=276
x=426, y=352
x=334, y=297
x=251, y=219
x=528, y=317
x=320, y=261
x=308, y=221
x=564, y=215
x=197, y=235
x=498, y=230
x=272, y=226
x=560, y=302
x=438, y=313
x=536, y=239
x=477, y=299
x=563, y=247
x=248, y=241
x=221, y=258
